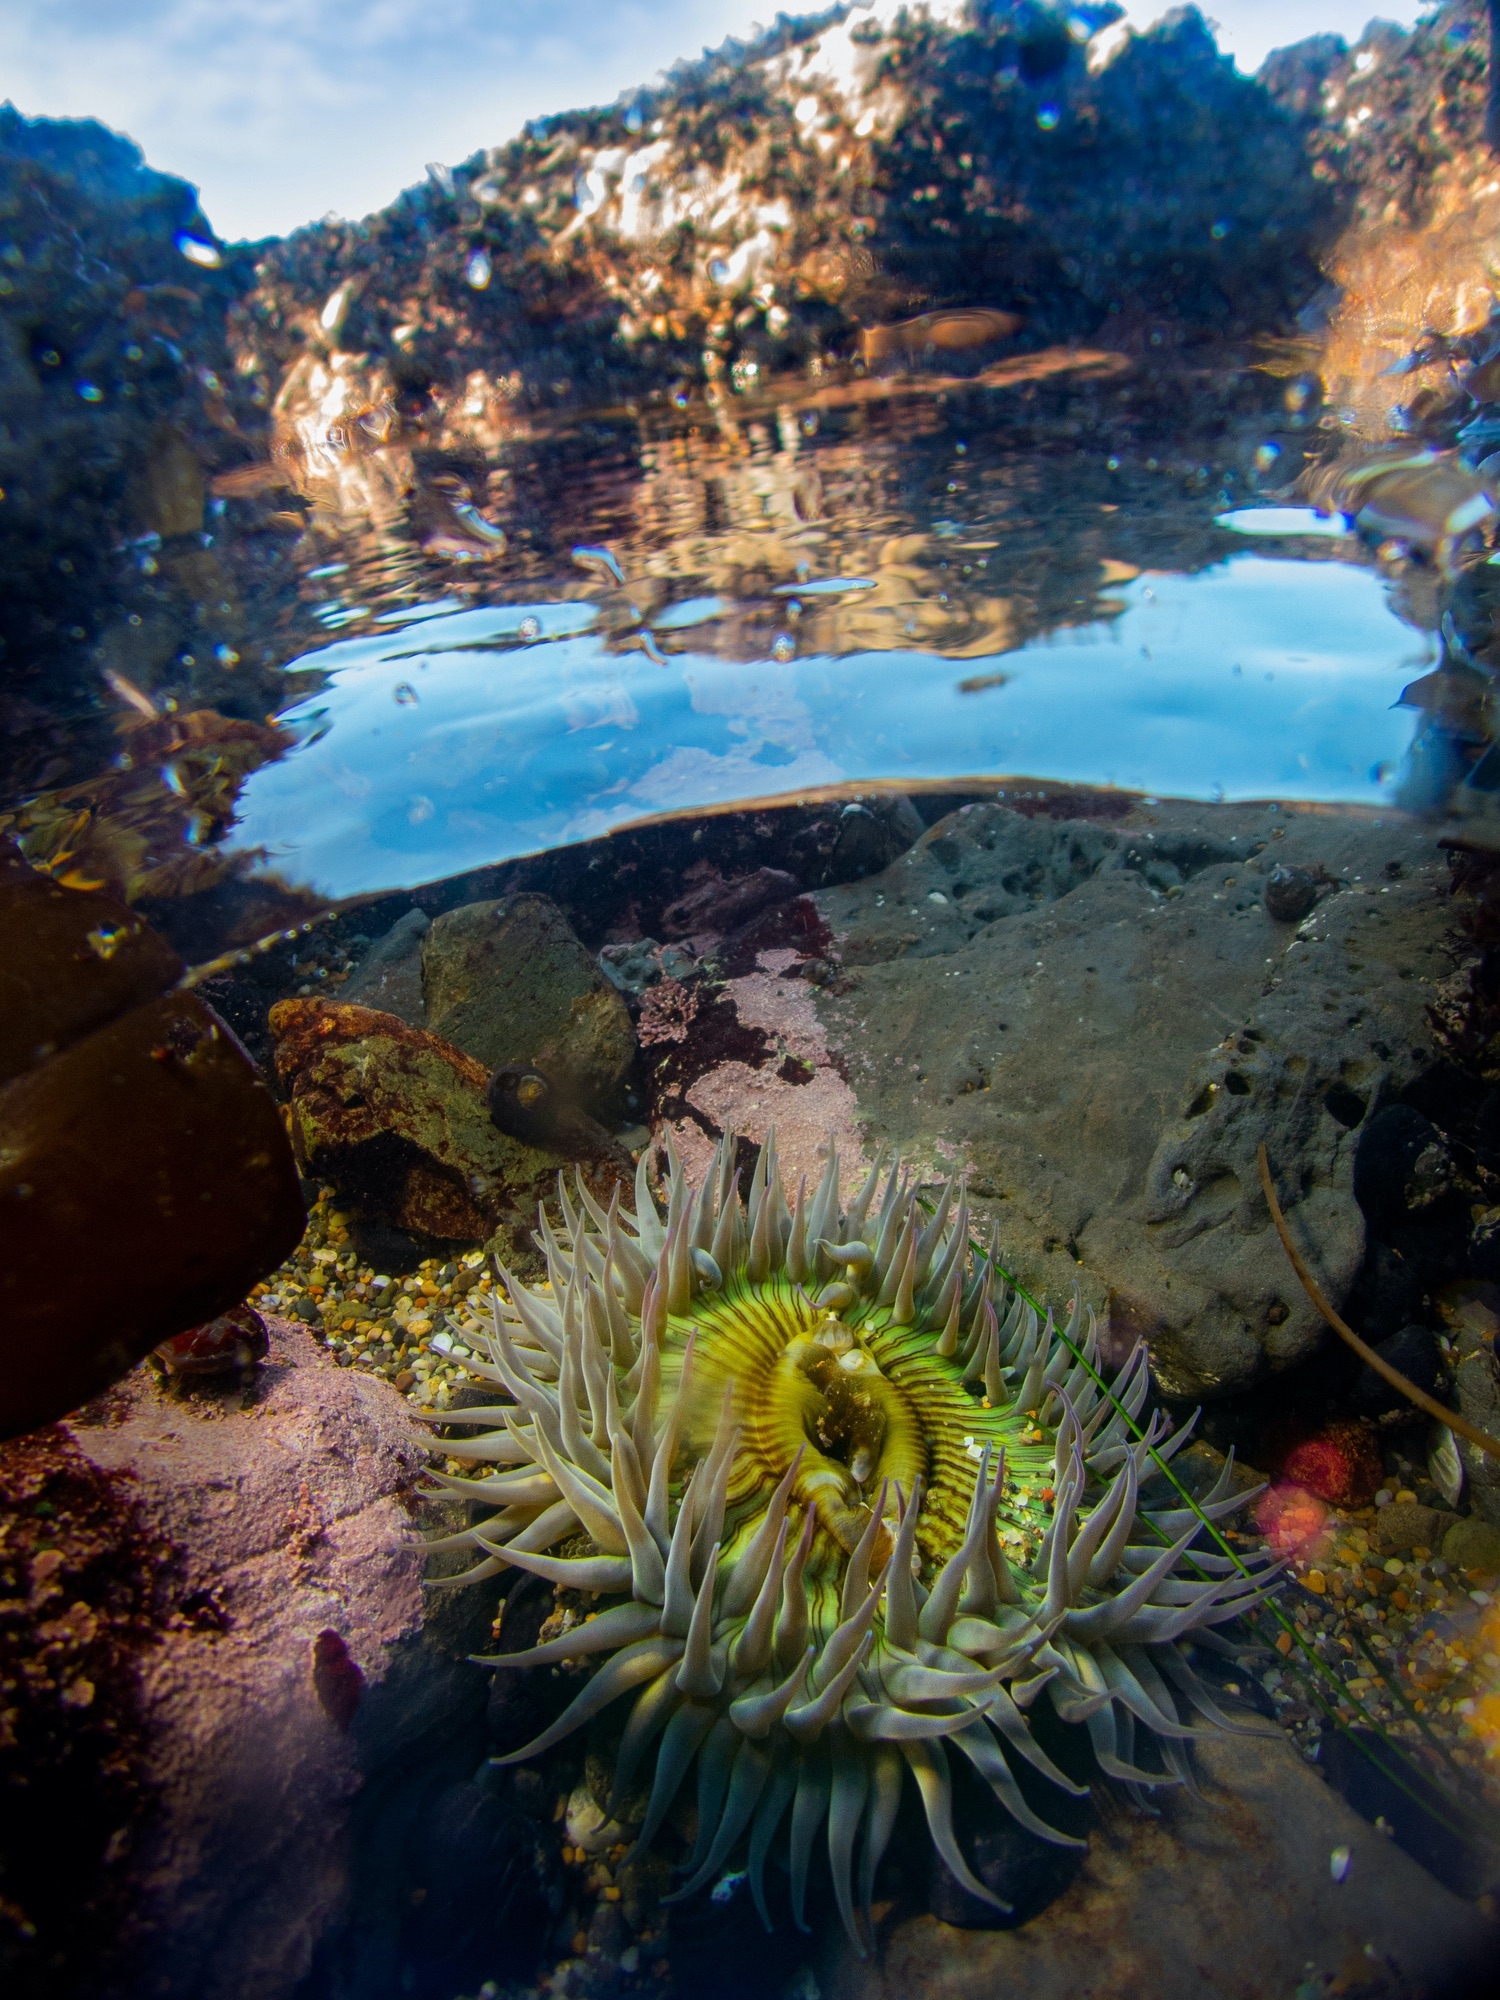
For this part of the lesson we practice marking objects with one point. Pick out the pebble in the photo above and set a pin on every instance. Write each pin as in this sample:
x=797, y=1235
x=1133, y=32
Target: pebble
x=1416, y=1624
x=370, y=1319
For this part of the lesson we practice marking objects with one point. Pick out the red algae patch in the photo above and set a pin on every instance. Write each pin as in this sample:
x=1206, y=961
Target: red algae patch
x=1340, y=1463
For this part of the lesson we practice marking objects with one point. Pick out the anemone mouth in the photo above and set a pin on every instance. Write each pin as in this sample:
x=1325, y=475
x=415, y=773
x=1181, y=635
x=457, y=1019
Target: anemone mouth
x=858, y=1508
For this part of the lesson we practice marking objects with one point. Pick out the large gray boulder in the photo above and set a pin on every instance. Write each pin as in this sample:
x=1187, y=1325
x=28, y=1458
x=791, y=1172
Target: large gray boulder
x=509, y=982
x=1100, y=1022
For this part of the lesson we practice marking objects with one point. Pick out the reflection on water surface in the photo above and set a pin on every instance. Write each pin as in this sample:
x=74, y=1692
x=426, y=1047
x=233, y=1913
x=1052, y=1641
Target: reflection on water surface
x=909, y=587
x=635, y=614
x=474, y=736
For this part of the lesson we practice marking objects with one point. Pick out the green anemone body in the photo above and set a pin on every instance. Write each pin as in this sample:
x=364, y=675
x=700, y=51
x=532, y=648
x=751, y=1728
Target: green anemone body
x=854, y=1507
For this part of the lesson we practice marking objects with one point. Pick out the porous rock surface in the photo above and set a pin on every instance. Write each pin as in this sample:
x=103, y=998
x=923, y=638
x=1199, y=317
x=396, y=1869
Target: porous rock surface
x=1099, y=1023
x=1233, y=1895
x=397, y=1119
x=276, y=1520
x=509, y=981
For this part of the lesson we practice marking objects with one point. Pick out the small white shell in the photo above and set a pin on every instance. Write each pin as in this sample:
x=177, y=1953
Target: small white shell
x=1444, y=1466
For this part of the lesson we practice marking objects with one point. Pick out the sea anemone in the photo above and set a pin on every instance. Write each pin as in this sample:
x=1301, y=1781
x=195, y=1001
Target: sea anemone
x=859, y=1506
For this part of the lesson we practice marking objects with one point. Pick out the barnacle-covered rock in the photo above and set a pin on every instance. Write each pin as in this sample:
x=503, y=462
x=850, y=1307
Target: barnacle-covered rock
x=136, y=1139
x=857, y=1504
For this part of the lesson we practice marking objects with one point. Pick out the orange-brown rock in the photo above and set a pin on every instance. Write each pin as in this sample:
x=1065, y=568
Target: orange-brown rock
x=396, y=1119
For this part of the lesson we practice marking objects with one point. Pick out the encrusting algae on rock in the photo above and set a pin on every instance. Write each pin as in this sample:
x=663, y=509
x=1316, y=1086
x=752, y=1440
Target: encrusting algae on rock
x=860, y=1507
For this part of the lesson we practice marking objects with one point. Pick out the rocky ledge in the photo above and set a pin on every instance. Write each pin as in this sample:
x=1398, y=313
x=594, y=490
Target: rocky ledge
x=1098, y=1020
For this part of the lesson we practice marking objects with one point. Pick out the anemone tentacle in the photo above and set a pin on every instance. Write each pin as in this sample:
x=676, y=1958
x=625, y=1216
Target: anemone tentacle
x=862, y=1507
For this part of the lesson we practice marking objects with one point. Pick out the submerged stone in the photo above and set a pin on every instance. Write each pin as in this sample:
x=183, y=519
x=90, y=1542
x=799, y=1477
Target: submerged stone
x=1096, y=1018
x=509, y=982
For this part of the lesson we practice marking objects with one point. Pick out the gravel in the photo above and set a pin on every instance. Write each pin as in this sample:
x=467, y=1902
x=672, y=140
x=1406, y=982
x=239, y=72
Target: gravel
x=386, y=1322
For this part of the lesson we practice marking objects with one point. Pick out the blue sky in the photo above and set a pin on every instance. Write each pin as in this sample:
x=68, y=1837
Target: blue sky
x=284, y=110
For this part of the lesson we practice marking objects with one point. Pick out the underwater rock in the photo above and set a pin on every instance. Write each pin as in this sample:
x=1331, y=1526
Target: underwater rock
x=643, y=963
x=397, y=1119
x=1147, y=1911
x=716, y=905
x=96, y=1042
x=509, y=982
x=863, y=837
x=269, y=1525
x=389, y=976
x=1473, y=1545
x=1093, y=1016
x=1406, y=1525
x=1476, y=1382
x=1414, y=1352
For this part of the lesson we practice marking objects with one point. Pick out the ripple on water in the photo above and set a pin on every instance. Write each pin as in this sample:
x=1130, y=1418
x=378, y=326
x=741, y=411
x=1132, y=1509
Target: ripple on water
x=538, y=724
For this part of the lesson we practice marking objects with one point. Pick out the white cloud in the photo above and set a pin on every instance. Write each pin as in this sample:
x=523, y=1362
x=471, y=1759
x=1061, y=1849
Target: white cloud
x=283, y=109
